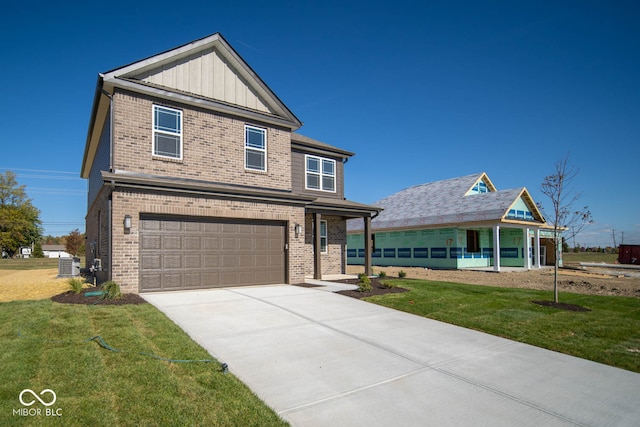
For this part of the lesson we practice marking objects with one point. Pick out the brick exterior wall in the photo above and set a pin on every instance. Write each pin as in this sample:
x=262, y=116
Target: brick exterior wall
x=126, y=247
x=333, y=262
x=213, y=145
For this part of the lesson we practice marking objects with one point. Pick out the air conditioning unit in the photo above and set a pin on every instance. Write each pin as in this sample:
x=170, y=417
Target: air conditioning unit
x=68, y=267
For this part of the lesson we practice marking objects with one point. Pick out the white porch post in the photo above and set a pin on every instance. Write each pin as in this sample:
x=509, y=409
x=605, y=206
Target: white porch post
x=537, y=243
x=527, y=249
x=496, y=248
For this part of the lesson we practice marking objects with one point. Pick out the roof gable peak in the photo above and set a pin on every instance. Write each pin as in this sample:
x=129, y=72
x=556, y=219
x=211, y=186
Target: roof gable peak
x=208, y=68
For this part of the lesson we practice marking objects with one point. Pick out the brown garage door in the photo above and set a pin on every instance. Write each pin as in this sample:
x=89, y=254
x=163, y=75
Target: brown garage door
x=182, y=253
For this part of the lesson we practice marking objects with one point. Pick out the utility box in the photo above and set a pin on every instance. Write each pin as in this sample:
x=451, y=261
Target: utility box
x=629, y=254
x=68, y=267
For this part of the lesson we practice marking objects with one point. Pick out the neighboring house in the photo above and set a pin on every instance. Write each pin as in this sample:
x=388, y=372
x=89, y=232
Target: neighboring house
x=197, y=179
x=55, y=251
x=456, y=223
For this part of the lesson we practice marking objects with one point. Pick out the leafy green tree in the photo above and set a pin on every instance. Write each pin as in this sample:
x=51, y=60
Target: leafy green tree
x=20, y=223
x=37, y=250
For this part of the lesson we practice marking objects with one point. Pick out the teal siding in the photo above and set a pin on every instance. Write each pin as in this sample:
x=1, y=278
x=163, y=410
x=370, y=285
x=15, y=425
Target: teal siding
x=438, y=248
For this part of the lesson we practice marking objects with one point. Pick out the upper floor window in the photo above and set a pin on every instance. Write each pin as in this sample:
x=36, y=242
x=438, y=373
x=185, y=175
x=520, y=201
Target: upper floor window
x=167, y=132
x=320, y=173
x=255, y=148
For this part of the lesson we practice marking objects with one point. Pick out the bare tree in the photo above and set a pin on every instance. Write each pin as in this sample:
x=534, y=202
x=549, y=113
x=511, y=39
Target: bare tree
x=562, y=195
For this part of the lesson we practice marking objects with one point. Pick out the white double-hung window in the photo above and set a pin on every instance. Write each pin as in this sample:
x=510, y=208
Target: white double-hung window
x=255, y=148
x=167, y=132
x=320, y=173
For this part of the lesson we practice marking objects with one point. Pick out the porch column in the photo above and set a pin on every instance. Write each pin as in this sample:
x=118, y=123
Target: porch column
x=496, y=248
x=537, y=245
x=527, y=249
x=317, y=251
x=368, y=246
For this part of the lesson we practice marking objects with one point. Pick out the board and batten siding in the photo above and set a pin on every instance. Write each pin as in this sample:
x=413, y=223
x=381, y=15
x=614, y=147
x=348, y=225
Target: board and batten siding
x=298, y=175
x=206, y=74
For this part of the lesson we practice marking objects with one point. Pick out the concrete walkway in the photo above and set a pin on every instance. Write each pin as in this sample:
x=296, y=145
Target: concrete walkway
x=323, y=359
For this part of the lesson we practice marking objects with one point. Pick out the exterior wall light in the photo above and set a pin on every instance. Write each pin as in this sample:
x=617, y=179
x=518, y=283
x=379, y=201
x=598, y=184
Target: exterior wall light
x=127, y=223
x=298, y=230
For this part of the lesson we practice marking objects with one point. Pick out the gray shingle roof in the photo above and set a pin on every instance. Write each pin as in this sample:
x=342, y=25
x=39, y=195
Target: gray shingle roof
x=440, y=203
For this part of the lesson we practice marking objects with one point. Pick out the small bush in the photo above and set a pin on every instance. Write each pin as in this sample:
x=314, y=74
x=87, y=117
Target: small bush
x=76, y=285
x=382, y=274
x=402, y=274
x=365, y=283
x=388, y=285
x=111, y=290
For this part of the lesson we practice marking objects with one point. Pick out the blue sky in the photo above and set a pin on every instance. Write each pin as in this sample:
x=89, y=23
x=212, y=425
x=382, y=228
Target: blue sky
x=421, y=91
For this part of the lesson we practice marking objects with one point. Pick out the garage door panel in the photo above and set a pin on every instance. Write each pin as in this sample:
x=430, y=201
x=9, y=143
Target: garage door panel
x=229, y=261
x=193, y=243
x=151, y=282
x=245, y=243
x=171, y=242
x=210, y=243
x=261, y=261
x=180, y=253
x=151, y=242
x=192, y=280
x=211, y=261
x=172, y=261
x=194, y=227
x=193, y=261
x=171, y=281
x=151, y=262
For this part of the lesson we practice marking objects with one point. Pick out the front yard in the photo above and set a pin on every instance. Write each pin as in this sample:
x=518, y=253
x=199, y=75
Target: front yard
x=44, y=346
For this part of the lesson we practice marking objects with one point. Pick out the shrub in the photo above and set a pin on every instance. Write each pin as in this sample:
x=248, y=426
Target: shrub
x=402, y=274
x=111, y=290
x=365, y=283
x=382, y=274
x=388, y=285
x=76, y=285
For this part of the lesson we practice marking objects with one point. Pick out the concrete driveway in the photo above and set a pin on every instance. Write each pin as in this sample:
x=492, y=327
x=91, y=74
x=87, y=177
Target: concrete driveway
x=322, y=359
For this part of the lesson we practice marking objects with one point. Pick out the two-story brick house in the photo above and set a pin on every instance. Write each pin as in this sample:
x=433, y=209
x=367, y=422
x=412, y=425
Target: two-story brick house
x=196, y=178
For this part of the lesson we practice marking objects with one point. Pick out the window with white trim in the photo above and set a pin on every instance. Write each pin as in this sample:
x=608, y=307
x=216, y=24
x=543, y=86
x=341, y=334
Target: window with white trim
x=167, y=132
x=323, y=237
x=320, y=173
x=255, y=148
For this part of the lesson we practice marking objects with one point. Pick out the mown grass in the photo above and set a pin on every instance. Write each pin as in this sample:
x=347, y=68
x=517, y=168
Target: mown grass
x=31, y=263
x=43, y=347
x=578, y=257
x=609, y=333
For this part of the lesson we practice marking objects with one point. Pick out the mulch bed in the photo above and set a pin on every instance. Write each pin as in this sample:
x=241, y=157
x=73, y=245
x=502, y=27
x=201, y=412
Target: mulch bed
x=376, y=289
x=71, y=298
x=562, y=305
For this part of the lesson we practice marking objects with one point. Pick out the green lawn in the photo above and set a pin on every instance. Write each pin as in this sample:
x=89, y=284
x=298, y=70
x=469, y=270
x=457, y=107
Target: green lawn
x=609, y=334
x=31, y=263
x=43, y=347
x=576, y=258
